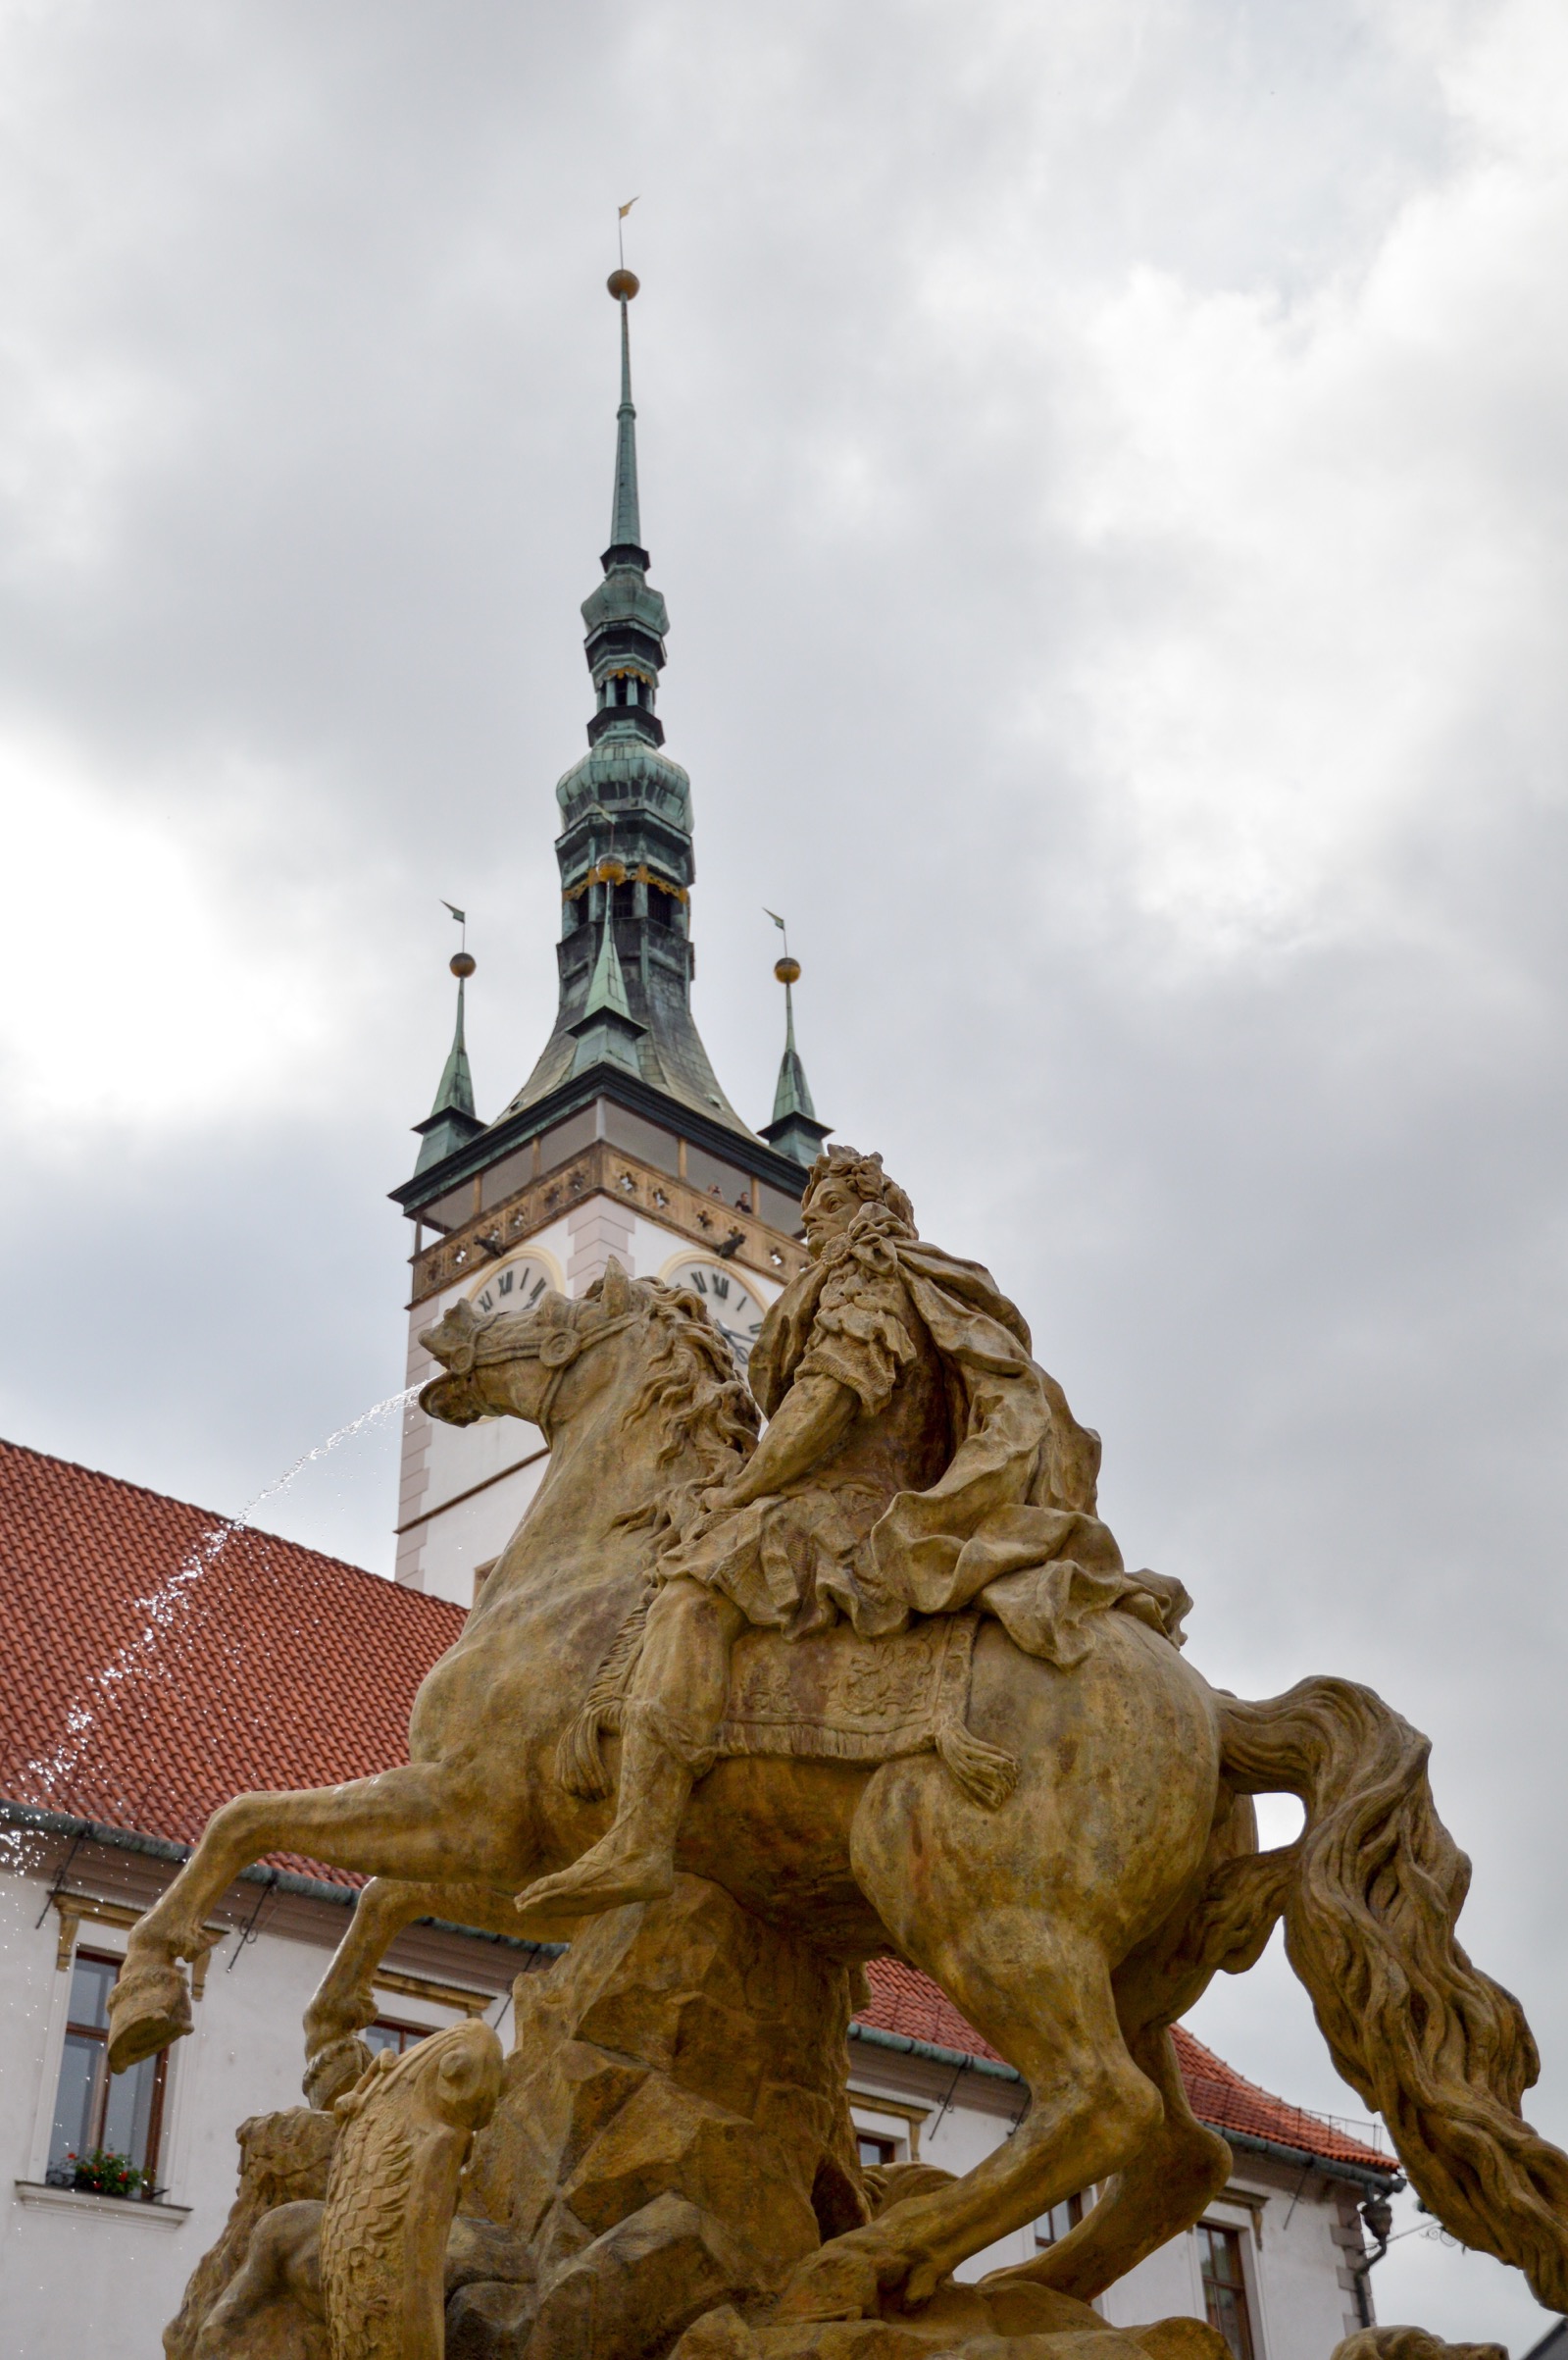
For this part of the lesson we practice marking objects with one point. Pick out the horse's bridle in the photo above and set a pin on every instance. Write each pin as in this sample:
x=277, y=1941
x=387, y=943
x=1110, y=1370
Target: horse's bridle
x=557, y=1349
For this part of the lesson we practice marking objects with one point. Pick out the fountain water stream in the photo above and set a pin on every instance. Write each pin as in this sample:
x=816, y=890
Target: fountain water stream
x=164, y=1611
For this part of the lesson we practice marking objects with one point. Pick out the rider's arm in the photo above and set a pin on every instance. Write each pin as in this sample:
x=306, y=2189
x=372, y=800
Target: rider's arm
x=809, y=1425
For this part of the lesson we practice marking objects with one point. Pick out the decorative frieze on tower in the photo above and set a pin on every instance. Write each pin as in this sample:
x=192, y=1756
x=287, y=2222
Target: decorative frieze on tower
x=621, y=1140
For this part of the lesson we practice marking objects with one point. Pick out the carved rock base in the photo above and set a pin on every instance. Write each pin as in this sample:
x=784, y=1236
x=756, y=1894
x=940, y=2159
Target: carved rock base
x=671, y=2133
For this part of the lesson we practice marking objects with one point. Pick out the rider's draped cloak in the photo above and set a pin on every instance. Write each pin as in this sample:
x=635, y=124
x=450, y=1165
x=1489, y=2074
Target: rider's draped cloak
x=966, y=1481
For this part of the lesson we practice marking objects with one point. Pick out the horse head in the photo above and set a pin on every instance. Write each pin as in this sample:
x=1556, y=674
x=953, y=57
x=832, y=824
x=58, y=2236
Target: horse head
x=513, y=1363
x=486, y=1358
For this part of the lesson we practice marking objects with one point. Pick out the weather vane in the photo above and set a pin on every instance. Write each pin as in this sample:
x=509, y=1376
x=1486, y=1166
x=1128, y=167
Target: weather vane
x=462, y=962
x=787, y=969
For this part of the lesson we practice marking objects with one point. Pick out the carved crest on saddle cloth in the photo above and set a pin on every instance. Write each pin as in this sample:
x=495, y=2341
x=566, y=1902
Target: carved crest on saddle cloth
x=829, y=1697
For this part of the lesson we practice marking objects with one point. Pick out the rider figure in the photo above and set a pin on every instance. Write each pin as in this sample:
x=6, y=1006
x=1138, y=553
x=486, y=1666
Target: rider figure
x=917, y=1460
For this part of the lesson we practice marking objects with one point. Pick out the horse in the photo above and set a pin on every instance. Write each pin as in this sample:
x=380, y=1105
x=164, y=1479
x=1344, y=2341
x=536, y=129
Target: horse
x=1072, y=1923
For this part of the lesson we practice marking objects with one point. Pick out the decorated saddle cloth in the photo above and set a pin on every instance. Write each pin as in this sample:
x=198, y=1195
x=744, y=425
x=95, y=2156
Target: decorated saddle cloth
x=831, y=1696
x=835, y=1697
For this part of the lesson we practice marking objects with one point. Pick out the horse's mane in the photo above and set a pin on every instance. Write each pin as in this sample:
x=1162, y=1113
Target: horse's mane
x=691, y=1381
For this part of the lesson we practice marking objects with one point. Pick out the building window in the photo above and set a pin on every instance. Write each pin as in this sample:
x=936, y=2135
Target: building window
x=875, y=2152
x=1053, y=2226
x=95, y=2112
x=1225, y=2287
x=384, y=2035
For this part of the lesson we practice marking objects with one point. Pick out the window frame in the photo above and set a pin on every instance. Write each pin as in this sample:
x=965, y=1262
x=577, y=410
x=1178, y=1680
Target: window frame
x=157, y=2118
x=1074, y=2207
x=1243, y=2286
x=410, y=2034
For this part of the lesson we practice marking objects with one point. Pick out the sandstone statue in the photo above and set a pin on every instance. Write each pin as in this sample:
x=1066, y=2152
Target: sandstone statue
x=883, y=1678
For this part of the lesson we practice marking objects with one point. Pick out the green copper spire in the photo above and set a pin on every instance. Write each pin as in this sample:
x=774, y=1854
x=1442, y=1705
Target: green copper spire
x=624, y=1050
x=625, y=850
x=451, y=1122
x=607, y=1031
x=625, y=522
x=794, y=1093
x=794, y=1129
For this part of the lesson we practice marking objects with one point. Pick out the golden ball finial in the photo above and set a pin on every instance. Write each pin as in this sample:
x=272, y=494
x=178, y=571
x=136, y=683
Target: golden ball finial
x=462, y=964
x=622, y=284
x=787, y=970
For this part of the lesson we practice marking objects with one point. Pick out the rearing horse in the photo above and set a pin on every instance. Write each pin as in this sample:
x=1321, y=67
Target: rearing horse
x=1071, y=1925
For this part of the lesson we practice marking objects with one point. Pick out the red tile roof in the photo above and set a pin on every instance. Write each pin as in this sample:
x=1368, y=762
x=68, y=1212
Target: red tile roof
x=907, y=2002
x=1220, y=2095
x=140, y=1697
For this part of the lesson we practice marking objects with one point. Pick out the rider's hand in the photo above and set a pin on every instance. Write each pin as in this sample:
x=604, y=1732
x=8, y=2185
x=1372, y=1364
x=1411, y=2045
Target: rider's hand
x=722, y=1499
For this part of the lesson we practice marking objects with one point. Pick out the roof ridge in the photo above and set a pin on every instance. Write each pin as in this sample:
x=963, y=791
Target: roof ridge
x=100, y=1474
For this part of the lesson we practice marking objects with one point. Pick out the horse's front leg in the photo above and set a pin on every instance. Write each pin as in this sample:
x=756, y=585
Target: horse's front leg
x=344, y=2002
x=416, y=1821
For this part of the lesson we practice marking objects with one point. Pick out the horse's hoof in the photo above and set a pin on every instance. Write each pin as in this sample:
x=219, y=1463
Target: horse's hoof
x=332, y=2072
x=148, y=2008
x=832, y=2286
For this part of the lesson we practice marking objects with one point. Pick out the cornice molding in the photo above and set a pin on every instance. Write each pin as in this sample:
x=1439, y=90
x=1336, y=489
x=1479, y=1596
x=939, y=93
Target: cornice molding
x=601, y=1169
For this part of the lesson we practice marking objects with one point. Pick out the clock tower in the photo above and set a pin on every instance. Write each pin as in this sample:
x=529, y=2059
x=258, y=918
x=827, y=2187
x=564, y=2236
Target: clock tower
x=621, y=1140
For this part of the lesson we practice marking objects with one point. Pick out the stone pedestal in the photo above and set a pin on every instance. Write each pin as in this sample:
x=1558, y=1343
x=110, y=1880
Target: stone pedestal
x=673, y=2133
x=672, y=2136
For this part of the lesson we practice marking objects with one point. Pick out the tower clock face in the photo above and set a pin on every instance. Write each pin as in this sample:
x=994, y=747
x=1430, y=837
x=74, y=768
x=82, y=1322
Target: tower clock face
x=512, y=1286
x=735, y=1312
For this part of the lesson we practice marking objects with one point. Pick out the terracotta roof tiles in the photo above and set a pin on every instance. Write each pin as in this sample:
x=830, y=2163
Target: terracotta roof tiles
x=273, y=1667
x=909, y=2003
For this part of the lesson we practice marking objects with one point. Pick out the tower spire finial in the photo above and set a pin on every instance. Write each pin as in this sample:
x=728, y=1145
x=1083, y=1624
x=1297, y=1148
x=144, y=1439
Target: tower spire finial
x=451, y=1121
x=794, y=1129
x=625, y=521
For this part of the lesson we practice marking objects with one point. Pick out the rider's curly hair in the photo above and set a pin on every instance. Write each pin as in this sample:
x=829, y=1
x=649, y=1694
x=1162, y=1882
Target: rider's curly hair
x=865, y=1175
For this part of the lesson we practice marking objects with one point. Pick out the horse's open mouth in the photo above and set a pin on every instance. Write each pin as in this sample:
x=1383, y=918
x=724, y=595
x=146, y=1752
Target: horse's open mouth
x=452, y=1399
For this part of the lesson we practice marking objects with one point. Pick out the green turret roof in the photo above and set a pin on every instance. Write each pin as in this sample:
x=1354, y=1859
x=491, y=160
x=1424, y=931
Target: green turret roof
x=792, y=1094
x=794, y=1129
x=451, y=1122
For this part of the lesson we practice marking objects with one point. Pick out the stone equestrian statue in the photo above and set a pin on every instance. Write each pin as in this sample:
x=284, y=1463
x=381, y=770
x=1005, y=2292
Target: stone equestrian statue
x=1065, y=1842
x=917, y=1460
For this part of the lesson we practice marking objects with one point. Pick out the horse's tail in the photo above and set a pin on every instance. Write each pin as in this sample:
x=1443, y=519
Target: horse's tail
x=1370, y=1892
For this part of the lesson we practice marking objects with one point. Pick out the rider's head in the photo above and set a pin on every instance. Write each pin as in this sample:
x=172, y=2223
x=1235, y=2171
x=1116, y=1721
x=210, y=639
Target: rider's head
x=841, y=1181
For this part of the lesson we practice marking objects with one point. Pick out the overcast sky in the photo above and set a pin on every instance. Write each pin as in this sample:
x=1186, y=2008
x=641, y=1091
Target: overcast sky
x=1106, y=467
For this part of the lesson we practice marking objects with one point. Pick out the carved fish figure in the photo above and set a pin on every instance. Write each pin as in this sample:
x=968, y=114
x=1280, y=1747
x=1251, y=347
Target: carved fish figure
x=407, y=2129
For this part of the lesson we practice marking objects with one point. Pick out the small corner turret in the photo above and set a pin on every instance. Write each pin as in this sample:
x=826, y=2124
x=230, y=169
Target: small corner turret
x=451, y=1122
x=794, y=1129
